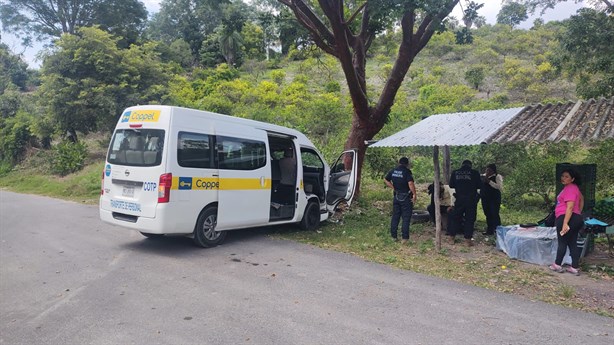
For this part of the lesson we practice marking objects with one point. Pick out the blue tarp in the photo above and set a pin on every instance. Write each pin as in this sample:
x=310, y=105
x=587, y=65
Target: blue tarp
x=536, y=245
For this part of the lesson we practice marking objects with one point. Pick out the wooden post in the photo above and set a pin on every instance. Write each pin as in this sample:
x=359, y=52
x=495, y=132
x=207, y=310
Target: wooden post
x=436, y=191
x=446, y=165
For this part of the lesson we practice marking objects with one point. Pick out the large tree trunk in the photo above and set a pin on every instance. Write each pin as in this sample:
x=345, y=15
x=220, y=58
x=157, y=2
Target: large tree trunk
x=360, y=132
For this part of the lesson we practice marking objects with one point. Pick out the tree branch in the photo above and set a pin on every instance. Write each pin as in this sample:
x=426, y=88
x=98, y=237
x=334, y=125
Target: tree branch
x=305, y=15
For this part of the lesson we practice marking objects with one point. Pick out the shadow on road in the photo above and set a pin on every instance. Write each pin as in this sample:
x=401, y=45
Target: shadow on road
x=183, y=246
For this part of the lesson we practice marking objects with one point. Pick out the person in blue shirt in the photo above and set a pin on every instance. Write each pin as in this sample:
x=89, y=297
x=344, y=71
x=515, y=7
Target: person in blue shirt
x=401, y=180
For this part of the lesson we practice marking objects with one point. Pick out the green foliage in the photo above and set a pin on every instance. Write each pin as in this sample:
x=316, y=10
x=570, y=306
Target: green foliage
x=332, y=86
x=253, y=41
x=475, y=76
x=88, y=81
x=602, y=154
x=68, y=157
x=464, y=36
x=10, y=102
x=278, y=76
x=179, y=52
x=441, y=44
x=52, y=18
x=194, y=21
x=379, y=161
x=15, y=138
x=445, y=99
x=534, y=173
x=587, y=52
x=13, y=70
x=512, y=13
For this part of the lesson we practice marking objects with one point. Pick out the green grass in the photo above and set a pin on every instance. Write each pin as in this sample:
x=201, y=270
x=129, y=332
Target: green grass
x=83, y=186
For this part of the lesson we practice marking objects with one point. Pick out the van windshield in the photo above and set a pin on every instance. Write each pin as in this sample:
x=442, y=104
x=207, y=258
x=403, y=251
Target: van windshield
x=136, y=147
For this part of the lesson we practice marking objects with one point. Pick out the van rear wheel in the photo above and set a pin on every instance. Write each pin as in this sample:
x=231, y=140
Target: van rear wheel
x=205, y=234
x=311, y=218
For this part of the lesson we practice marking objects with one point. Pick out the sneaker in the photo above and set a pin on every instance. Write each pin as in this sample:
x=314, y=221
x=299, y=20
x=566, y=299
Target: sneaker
x=404, y=241
x=468, y=242
x=556, y=268
x=488, y=233
x=450, y=239
x=573, y=271
x=394, y=239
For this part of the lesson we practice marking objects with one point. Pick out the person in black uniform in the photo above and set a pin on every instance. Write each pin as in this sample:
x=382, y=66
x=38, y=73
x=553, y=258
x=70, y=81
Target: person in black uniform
x=401, y=180
x=467, y=182
x=491, y=198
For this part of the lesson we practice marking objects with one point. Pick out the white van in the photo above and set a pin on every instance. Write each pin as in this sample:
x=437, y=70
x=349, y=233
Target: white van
x=172, y=170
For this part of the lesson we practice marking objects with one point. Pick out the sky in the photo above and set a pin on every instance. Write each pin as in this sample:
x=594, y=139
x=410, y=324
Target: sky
x=490, y=10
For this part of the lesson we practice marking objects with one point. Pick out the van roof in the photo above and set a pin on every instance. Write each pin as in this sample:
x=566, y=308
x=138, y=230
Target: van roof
x=238, y=120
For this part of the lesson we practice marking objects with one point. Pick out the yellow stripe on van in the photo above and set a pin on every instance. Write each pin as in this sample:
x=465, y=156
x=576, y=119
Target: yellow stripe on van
x=212, y=183
x=244, y=184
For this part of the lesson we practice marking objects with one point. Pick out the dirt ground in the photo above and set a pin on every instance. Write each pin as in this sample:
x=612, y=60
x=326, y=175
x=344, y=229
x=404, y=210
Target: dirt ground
x=593, y=288
x=598, y=290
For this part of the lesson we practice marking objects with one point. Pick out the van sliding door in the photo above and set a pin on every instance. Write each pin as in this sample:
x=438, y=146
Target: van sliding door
x=245, y=176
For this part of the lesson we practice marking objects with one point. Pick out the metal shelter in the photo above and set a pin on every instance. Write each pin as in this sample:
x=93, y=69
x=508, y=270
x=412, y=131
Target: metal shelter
x=583, y=121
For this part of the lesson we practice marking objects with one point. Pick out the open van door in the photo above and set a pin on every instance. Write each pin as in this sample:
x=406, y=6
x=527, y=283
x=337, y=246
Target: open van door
x=342, y=180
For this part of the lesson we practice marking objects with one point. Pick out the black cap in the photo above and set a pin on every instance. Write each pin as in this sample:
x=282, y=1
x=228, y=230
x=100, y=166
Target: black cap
x=404, y=161
x=467, y=162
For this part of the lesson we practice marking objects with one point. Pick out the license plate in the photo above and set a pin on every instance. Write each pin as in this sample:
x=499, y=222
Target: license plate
x=128, y=191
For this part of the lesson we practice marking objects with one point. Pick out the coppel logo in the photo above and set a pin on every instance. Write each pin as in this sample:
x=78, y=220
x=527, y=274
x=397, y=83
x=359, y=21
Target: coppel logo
x=126, y=116
x=107, y=170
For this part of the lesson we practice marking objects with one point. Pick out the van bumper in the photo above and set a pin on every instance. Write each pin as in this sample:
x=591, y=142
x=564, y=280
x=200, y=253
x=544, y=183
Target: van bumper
x=157, y=225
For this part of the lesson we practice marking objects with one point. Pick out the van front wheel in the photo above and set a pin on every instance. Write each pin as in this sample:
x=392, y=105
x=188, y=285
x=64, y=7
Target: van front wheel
x=205, y=234
x=311, y=218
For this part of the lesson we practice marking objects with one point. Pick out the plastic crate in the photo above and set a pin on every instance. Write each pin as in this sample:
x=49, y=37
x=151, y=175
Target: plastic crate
x=588, y=174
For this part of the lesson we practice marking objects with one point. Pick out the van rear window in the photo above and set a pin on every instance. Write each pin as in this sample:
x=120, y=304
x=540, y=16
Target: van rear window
x=136, y=147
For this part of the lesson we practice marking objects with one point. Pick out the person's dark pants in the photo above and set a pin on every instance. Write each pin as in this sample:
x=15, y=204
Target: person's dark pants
x=492, y=205
x=463, y=217
x=570, y=239
x=401, y=208
x=431, y=209
x=444, y=215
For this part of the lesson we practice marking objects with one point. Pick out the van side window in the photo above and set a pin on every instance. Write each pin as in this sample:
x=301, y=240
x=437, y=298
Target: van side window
x=194, y=150
x=240, y=154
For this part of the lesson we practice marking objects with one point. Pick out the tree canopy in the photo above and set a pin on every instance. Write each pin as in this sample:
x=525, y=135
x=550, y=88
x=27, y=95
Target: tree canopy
x=346, y=31
x=587, y=52
x=89, y=80
x=512, y=13
x=43, y=19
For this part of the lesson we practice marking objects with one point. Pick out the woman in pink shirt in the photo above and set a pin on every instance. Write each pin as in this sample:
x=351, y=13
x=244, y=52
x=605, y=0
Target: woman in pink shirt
x=568, y=213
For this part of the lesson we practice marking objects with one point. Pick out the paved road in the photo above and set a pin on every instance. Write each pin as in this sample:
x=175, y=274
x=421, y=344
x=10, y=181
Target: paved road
x=67, y=278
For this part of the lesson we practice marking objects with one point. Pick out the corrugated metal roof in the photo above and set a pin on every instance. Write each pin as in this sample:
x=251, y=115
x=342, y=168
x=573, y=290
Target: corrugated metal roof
x=580, y=121
x=572, y=121
x=470, y=128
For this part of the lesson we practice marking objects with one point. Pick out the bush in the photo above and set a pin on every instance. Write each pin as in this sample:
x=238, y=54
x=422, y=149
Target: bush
x=15, y=138
x=68, y=158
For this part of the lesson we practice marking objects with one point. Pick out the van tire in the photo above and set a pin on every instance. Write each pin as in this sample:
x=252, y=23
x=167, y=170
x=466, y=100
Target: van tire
x=420, y=216
x=311, y=217
x=204, y=233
